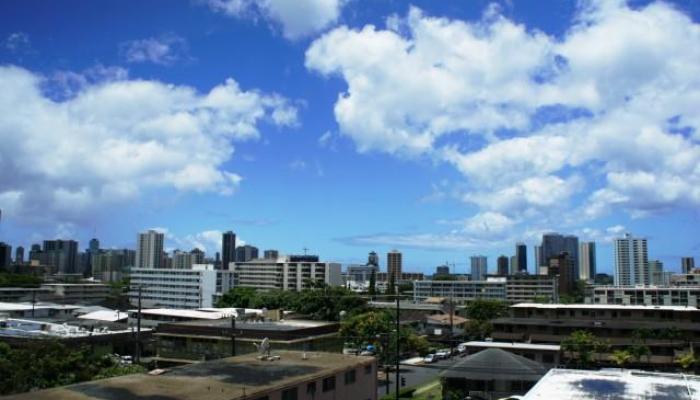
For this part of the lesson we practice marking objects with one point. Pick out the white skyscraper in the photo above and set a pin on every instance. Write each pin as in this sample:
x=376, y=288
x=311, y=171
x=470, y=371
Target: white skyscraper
x=479, y=268
x=587, y=262
x=149, y=250
x=631, y=261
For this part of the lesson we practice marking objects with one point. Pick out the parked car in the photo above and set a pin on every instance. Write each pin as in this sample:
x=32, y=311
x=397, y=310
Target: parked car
x=430, y=358
x=443, y=354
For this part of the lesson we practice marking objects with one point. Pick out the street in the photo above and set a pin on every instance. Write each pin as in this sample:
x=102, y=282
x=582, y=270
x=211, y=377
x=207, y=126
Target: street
x=417, y=374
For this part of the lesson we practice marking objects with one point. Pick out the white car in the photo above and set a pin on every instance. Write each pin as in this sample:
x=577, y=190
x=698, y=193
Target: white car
x=430, y=358
x=443, y=354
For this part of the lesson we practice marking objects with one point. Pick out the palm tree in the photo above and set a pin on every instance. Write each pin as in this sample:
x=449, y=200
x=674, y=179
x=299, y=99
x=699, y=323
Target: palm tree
x=621, y=357
x=686, y=360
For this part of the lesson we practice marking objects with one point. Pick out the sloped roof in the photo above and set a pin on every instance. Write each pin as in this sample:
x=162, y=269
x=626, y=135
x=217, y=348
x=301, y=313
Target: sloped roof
x=496, y=364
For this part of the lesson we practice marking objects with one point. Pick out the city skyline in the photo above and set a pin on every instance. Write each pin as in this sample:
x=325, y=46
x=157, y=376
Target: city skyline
x=204, y=120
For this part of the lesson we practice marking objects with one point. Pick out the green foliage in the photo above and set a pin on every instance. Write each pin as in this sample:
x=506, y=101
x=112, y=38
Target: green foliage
x=621, y=357
x=486, y=310
x=406, y=287
x=240, y=297
x=479, y=330
x=378, y=328
x=583, y=345
x=373, y=283
x=47, y=364
x=117, y=297
x=19, y=280
x=319, y=302
x=687, y=360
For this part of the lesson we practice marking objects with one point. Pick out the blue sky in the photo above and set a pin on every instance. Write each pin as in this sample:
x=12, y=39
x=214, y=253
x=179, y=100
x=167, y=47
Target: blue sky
x=443, y=129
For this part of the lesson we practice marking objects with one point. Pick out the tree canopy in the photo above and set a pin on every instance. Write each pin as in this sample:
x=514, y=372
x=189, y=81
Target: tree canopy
x=47, y=364
x=319, y=302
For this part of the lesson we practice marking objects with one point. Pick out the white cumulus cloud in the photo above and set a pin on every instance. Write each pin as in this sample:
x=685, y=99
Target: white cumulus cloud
x=114, y=140
x=297, y=18
x=602, y=118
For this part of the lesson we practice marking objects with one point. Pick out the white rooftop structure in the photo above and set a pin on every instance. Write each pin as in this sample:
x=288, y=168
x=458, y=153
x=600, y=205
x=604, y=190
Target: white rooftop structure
x=105, y=316
x=602, y=307
x=513, y=346
x=25, y=328
x=200, y=313
x=35, y=306
x=614, y=384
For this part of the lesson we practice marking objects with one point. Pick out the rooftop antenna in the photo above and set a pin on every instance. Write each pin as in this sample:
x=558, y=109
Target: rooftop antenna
x=305, y=250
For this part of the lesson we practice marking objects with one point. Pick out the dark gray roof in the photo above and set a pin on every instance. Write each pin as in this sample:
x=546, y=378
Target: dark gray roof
x=496, y=364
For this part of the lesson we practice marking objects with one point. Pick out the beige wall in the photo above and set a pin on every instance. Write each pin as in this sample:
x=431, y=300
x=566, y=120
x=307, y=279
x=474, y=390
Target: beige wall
x=364, y=387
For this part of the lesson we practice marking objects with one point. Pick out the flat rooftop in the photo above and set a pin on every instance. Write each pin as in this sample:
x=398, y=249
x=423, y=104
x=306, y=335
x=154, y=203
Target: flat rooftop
x=284, y=325
x=513, y=346
x=225, y=379
x=200, y=313
x=602, y=307
x=24, y=306
x=614, y=384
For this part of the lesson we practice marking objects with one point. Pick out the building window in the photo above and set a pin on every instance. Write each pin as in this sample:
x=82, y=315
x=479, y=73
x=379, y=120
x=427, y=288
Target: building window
x=329, y=384
x=290, y=394
x=368, y=369
x=350, y=377
x=311, y=388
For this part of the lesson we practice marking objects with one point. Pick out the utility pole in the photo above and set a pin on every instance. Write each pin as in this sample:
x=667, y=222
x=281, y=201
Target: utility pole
x=398, y=345
x=233, y=335
x=137, y=358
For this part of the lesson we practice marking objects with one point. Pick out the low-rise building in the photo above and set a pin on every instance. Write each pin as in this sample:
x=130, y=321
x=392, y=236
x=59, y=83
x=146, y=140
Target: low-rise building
x=38, y=310
x=545, y=354
x=514, y=288
x=152, y=317
x=285, y=273
x=523, y=288
x=204, y=339
x=684, y=295
x=174, y=288
x=461, y=291
x=620, y=384
x=666, y=330
x=77, y=293
x=287, y=375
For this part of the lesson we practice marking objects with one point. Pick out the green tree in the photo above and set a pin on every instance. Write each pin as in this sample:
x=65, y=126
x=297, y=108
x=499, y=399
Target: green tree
x=486, y=310
x=639, y=350
x=238, y=297
x=686, y=360
x=45, y=364
x=581, y=345
x=372, y=290
x=391, y=287
x=19, y=280
x=621, y=357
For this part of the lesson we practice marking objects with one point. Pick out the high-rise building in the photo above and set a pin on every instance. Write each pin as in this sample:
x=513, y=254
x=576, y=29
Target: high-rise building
x=587, y=261
x=503, y=265
x=553, y=244
x=631, y=261
x=521, y=255
x=228, y=249
x=110, y=265
x=479, y=268
x=246, y=253
x=394, y=265
x=36, y=255
x=5, y=255
x=562, y=266
x=539, y=261
x=373, y=259
x=185, y=260
x=271, y=254
x=62, y=255
x=442, y=270
x=513, y=265
x=656, y=273
x=19, y=255
x=94, y=245
x=149, y=250
x=687, y=264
